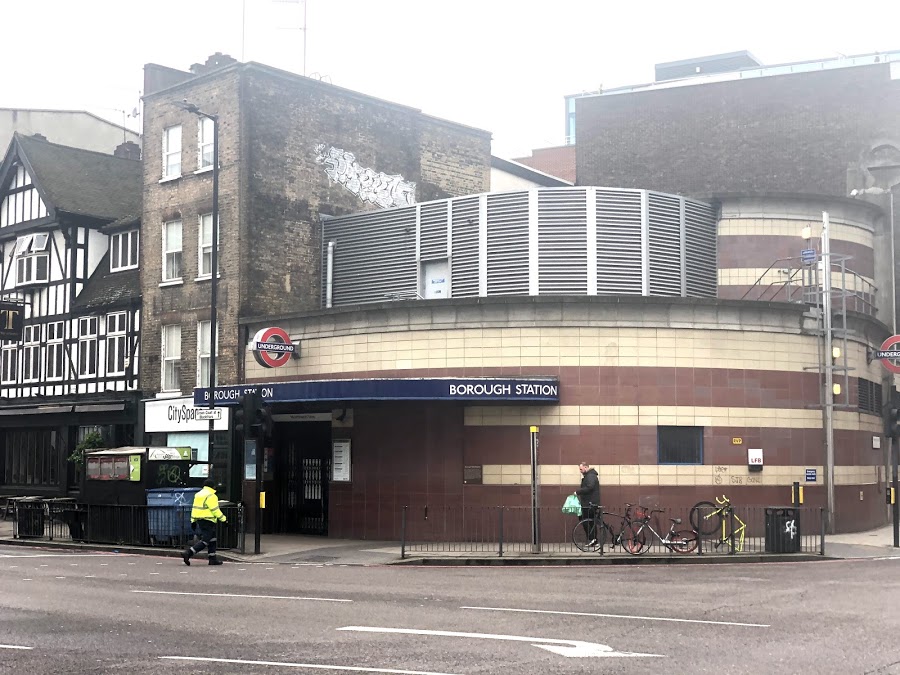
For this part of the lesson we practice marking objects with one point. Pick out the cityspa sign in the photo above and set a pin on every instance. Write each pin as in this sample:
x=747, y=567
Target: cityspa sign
x=511, y=390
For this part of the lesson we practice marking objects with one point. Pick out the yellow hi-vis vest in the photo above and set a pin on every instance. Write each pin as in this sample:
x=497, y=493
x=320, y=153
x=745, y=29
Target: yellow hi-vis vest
x=206, y=506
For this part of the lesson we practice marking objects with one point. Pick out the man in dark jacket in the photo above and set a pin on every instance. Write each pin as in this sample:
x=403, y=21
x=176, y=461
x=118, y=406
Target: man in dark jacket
x=589, y=496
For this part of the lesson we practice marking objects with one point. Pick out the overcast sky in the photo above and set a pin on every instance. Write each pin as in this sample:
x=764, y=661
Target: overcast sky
x=500, y=65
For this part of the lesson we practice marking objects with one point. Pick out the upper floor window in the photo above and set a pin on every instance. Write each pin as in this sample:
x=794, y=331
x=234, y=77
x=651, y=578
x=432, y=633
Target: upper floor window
x=22, y=201
x=172, y=152
x=171, y=361
x=31, y=354
x=87, y=346
x=205, y=248
x=116, y=343
x=172, y=250
x=203, y=354
x=32, y=259
x=123, y=251
x=205, y=143
x=55, y=350
x=9, y=362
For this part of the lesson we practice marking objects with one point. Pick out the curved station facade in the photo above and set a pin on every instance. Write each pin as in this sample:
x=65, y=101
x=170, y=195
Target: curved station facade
x=450, y=329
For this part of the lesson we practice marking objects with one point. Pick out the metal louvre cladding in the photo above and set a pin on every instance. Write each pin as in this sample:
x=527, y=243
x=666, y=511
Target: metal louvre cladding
x=464, y=259
x=700, y=249
x=433, y=230
x=618, y=242
x=375, y=255
x=541, y=232
x=507, y=243
x=664, y=228
x=562, y=242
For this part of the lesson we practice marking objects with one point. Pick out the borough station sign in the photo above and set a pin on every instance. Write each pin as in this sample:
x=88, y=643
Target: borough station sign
x=511, y=390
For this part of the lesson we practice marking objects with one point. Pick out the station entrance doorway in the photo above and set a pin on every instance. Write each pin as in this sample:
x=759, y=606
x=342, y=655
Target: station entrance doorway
x=300, y=472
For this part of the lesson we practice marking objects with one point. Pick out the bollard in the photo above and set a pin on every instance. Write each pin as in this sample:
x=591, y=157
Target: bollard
x=822, y=534
x=731, y=519
x=403, y=533
x=500, y=533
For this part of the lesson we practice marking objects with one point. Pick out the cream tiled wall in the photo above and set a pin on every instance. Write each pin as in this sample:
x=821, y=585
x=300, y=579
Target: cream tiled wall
x=586, y=415
x=552, y=347
x=792, y=228
x=677, y=475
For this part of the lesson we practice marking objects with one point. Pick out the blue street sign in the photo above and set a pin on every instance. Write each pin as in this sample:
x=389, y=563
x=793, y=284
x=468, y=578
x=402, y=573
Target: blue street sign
x=808, y=256
x=810, y=475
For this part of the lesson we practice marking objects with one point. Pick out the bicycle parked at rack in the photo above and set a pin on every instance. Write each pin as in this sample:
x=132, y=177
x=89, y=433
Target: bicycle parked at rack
x=708, y=518
x=599, y=533
x=677, y=541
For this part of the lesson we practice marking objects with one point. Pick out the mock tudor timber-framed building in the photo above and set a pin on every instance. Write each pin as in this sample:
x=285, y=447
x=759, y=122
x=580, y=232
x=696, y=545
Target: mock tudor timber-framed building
x=69, y=245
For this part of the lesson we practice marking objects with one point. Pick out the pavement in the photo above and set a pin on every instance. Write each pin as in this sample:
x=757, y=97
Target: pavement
x=316, y=550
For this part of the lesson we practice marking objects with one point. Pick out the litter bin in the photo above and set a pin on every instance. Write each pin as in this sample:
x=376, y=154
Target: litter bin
x=782, y=529
x=29, y=518
x=169, y=515
x=227, y=532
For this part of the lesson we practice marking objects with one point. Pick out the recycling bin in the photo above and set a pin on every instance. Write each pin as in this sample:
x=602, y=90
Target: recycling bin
x=29, y=518
x=169, y=515
x=782, y=529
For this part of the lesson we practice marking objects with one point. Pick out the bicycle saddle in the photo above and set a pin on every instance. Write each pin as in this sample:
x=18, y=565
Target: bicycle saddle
x=677, y=521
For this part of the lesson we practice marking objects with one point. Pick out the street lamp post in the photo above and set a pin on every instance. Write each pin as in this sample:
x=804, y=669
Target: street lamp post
x=214, y=271
x=895, y=451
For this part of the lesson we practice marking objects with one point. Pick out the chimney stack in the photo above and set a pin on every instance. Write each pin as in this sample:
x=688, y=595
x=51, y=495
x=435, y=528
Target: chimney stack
x=128, y=150
x=217, y=60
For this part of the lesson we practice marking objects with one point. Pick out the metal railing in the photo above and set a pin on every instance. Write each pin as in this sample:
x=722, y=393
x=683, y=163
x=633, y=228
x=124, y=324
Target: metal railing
x=508, y=530
x=120, y=524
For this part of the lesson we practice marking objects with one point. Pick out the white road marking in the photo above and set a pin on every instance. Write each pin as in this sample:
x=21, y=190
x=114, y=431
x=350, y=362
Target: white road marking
x=570, y=648
x=237, y=595
x=55, y=555
x=622, y=616
x=15, y=647
x=314, y=666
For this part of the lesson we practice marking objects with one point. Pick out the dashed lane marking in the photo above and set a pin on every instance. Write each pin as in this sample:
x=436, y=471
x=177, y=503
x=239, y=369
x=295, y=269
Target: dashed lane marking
x=311, y=666
x=621, y=616
x=238, y=595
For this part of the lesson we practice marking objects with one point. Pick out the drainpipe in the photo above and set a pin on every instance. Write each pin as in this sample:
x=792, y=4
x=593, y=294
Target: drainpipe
x=329, y=274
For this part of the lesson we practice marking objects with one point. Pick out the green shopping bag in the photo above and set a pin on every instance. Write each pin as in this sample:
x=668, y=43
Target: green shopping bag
x=572, y=506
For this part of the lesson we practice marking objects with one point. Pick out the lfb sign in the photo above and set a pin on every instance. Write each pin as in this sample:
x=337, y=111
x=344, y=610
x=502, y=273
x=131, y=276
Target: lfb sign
x=272, y=347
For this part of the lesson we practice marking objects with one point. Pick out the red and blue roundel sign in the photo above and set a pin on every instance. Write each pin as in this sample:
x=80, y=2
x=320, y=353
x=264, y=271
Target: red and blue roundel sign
x=272, y=347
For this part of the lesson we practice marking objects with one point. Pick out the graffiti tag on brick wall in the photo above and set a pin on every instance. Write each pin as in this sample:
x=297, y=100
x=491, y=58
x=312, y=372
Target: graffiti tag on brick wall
x=367, y=184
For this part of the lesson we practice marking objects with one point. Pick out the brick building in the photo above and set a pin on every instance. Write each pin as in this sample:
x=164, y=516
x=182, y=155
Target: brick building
x=292, y=150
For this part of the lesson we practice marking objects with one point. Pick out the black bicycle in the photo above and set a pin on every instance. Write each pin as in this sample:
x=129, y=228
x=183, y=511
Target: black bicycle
x=595, y=534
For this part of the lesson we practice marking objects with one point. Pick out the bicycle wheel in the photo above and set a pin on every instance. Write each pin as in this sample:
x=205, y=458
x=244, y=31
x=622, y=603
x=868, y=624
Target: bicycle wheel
x=706, y=518
x=634, y=540
x=580, y=537
x=682, y=541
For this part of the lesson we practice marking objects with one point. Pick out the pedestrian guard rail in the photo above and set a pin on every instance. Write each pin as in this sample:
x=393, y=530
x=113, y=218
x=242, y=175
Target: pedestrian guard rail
x=505, y=530
x=120, y=524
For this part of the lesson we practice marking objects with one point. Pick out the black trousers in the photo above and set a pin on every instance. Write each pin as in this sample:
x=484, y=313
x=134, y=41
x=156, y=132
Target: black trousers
x=590, y=526
x=206, y=529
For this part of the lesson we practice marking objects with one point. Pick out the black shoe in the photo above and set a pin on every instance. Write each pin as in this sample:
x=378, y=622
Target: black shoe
x=186, y=556
x=215, y=561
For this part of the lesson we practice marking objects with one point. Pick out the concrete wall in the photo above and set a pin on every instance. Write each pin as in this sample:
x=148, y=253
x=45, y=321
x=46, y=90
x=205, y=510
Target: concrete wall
x=75, y=128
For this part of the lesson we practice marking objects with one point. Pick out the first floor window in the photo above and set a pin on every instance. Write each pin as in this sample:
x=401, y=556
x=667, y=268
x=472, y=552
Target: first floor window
x=171, y=349
x=116, y=343
x=87, y=346
x=172, y=250
x=31, y=354
x=9, y=363
x=680, y=445
x=203, y=354
x=55, y=350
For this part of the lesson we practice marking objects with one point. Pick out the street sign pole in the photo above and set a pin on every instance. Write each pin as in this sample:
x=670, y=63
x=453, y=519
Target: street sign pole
x=535, y=494
x=895, y=507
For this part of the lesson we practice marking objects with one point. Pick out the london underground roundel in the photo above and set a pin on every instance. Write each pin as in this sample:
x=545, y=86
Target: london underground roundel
x=272, y=347
x=889, y=354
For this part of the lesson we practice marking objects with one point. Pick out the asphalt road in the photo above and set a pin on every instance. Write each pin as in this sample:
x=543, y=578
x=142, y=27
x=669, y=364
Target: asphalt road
x=109, y=613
